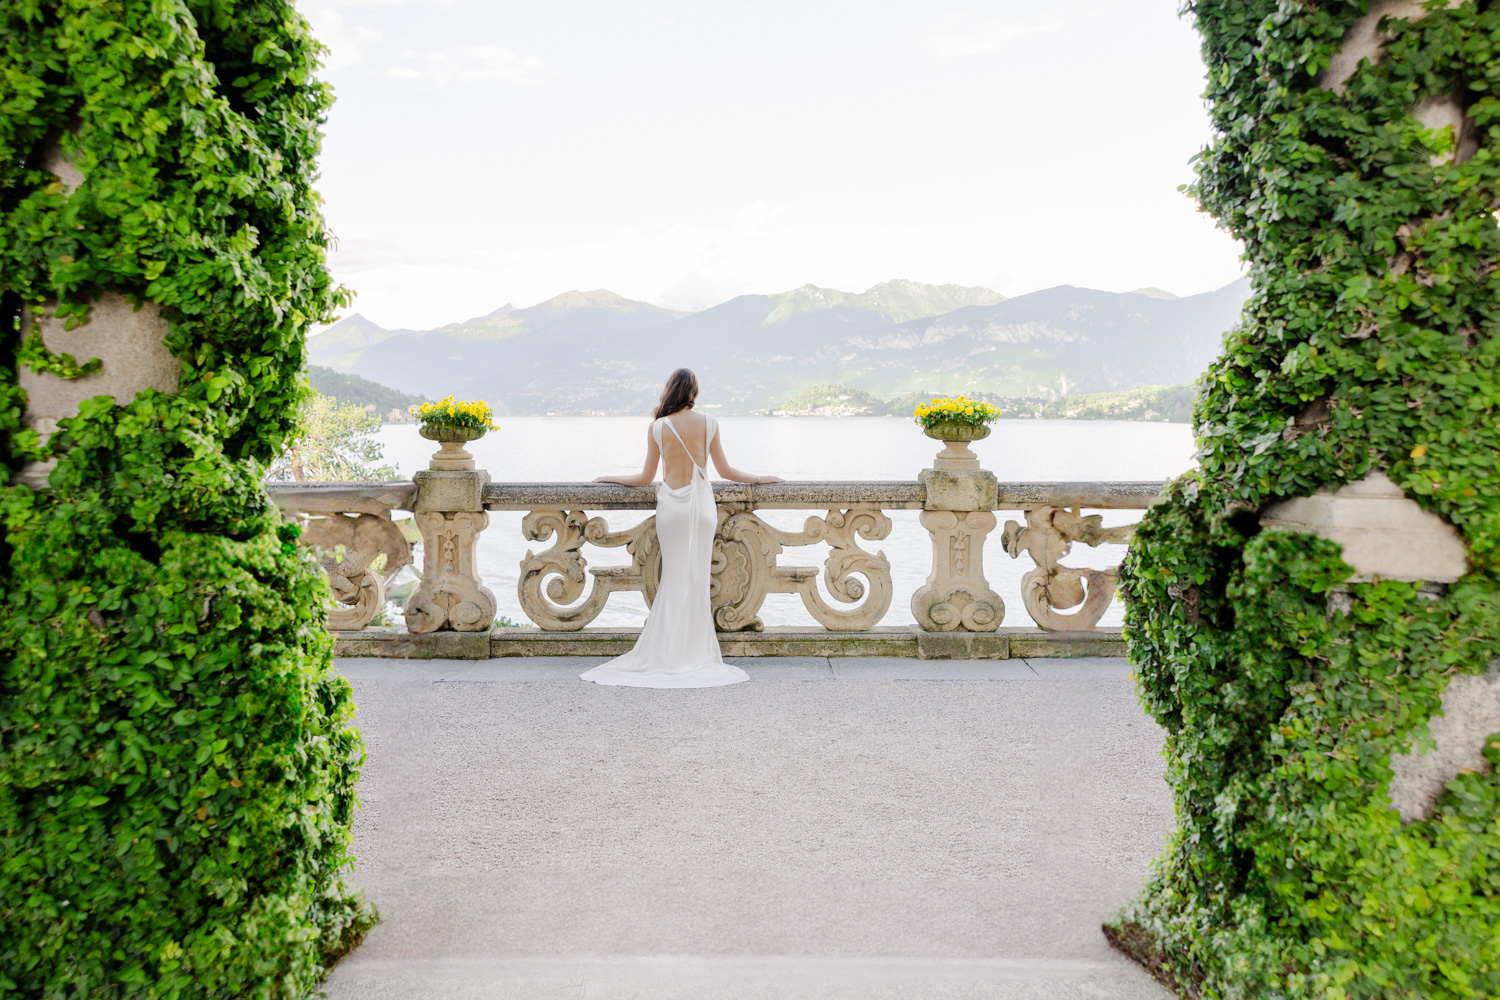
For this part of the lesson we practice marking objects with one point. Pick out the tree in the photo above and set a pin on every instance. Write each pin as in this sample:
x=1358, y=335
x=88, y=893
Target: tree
x=337, y=445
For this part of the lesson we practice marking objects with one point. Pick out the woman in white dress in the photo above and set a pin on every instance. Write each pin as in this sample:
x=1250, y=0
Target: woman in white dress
x=679, y=646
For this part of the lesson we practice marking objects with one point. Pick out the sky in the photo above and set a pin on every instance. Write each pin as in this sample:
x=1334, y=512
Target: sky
x=484, y=152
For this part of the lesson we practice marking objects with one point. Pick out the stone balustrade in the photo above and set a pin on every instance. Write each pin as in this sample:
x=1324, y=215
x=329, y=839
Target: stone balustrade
x=352, y=524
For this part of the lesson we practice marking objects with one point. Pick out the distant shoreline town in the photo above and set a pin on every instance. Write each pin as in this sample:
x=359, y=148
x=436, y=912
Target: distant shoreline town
x=1154, y=403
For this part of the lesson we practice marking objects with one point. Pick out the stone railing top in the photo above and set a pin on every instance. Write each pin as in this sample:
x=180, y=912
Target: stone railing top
x=1110, y=496
x=374, y=498
x=340, y=498
x=891, y=495
x=877, y=494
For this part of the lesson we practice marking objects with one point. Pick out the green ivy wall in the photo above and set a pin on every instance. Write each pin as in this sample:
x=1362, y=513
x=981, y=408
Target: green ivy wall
x=177, y=764
x=1371, y=343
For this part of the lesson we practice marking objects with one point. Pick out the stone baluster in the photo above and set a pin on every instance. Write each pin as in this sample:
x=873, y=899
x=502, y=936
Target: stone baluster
x=958, y=514
x=450, y=514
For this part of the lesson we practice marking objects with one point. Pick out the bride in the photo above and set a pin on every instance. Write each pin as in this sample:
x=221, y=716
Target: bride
x=679, y=647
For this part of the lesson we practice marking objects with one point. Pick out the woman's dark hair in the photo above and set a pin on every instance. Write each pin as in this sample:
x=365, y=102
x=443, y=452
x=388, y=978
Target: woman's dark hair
x=680, y=393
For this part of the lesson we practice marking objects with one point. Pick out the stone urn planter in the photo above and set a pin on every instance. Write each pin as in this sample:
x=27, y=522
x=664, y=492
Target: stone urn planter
x=956, y=435
x=451, y=456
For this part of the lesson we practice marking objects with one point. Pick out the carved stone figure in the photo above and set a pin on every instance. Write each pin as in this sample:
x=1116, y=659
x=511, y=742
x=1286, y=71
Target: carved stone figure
x=357, y=518
x=359, y=589
x=1048, y=536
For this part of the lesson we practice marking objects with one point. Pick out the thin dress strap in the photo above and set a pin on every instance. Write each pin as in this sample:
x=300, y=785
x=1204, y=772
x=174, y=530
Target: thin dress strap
x=668, y=422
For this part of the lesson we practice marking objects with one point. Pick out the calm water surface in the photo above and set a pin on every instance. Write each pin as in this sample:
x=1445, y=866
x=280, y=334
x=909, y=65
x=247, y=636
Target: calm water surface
x=559, y=449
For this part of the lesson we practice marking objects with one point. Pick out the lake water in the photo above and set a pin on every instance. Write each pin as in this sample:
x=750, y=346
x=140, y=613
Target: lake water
x=561, y=449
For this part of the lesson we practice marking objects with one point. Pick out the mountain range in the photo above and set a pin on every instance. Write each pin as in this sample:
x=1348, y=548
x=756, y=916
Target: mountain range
x=598, y=352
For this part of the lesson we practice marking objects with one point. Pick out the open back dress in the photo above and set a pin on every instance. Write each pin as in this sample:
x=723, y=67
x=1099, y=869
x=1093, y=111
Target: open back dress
x=679, y=646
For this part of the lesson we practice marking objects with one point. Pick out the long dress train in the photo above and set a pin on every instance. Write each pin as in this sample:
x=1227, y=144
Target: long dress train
x=678, y=648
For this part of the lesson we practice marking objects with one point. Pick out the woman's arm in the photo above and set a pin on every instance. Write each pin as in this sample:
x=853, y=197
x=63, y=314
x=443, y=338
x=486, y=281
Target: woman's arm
x=646, y=475
x=729, y=472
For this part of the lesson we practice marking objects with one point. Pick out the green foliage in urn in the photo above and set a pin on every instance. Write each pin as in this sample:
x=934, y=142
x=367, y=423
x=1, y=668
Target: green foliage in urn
x=177, y=764
x=1372, y=341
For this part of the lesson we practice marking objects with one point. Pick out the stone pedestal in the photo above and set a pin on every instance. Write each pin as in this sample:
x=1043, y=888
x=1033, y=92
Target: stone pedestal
x=958, y=516
x=956, y=456
x=450, y=515
x=947, y=489
x=452, y=456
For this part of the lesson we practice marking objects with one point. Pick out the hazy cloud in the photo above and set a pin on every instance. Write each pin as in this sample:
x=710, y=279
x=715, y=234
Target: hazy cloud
x=468, y=62
x=966, y=35
x=347, y=44
x=485, y=152
x=758, y=214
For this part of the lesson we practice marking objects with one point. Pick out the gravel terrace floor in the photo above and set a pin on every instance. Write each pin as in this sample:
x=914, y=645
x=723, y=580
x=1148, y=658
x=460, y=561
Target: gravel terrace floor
x=835, y=828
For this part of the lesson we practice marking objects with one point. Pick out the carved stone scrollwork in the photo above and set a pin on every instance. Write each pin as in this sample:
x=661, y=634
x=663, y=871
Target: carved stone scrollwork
x=745, y=570
x=562, y=567
x=1048, y=536
x=744, y=560
x=359, y=590
x=957, y=597
x=450, y=595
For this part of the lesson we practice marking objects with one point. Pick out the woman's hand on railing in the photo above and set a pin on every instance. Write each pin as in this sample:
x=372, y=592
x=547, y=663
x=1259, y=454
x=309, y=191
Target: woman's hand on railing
x=733, y=475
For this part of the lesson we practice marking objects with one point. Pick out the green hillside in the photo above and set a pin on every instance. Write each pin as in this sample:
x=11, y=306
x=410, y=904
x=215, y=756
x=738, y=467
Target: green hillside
x=598, y=352
x=833, y=400
x=1171, y=404
x=360, y=391
x=898, y=300
x=1157, y=403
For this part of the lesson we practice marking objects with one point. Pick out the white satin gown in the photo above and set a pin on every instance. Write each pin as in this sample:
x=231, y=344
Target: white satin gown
x=679, y=647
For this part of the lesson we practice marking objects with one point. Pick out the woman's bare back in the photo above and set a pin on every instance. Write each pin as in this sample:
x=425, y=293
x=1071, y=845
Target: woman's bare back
x=677, y=464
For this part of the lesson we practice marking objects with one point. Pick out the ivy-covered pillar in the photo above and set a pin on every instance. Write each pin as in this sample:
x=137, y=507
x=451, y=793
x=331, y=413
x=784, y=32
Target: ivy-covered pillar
x=1311, y=613
x=177, y=763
